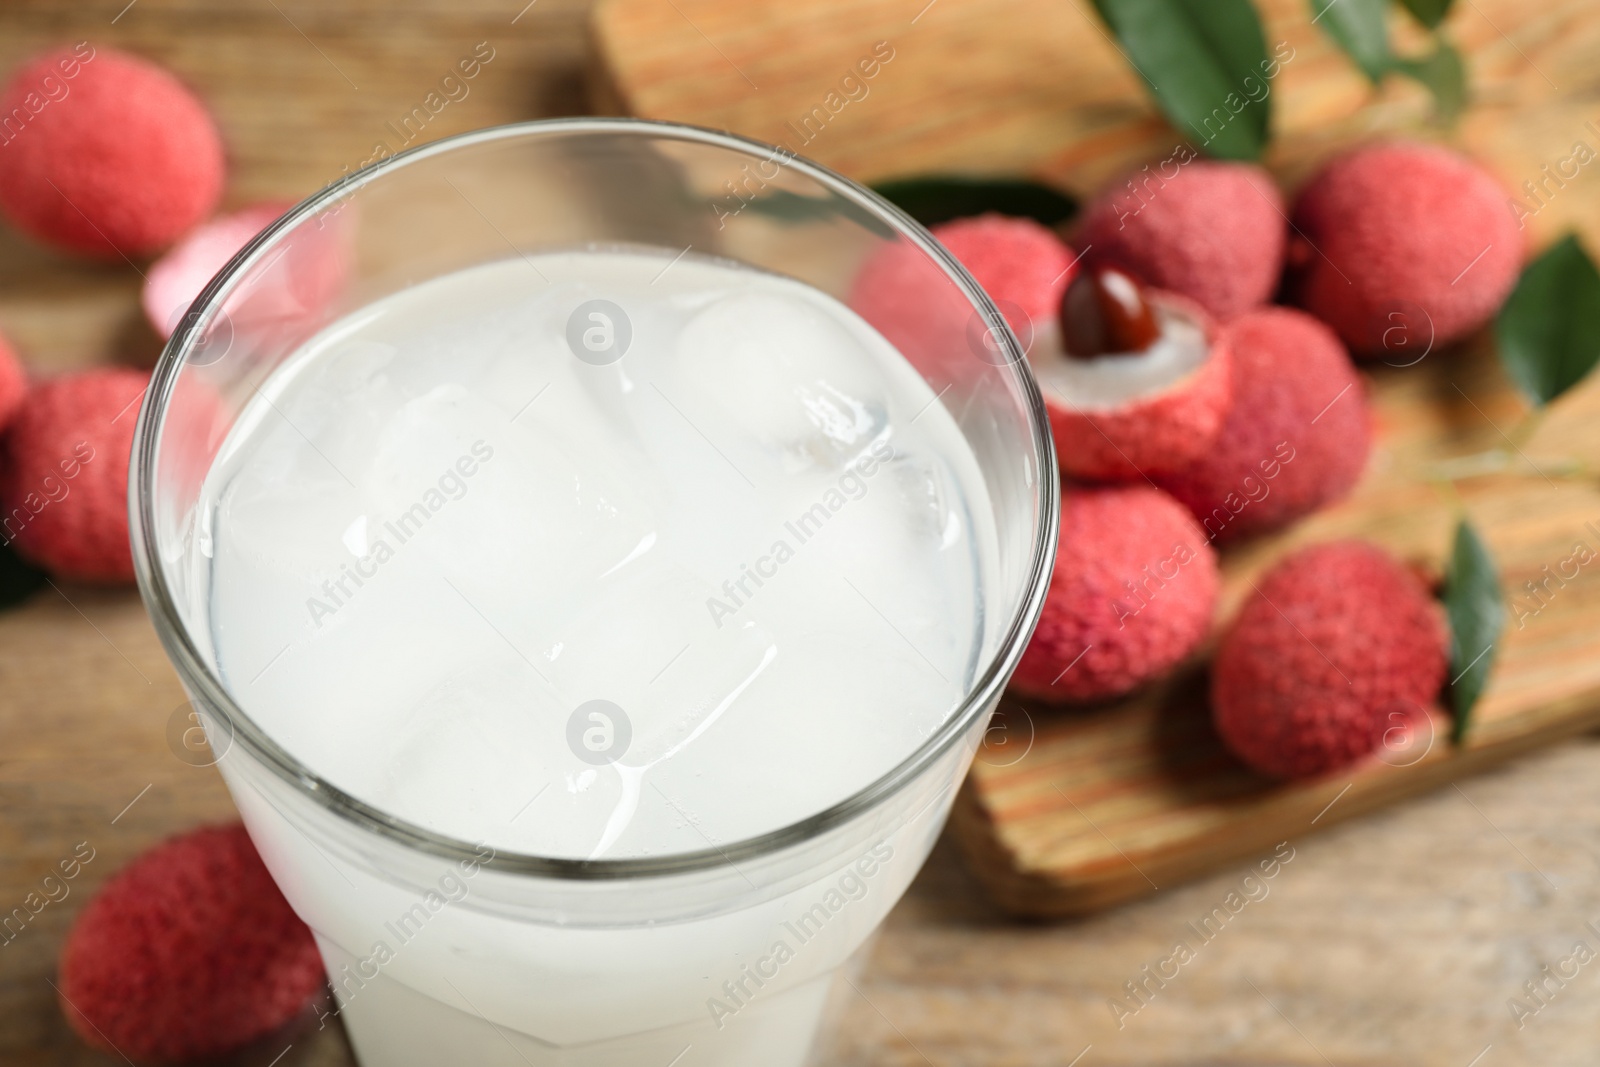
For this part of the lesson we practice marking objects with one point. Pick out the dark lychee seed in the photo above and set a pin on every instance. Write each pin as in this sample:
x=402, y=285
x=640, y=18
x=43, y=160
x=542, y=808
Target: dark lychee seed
x=1103, y=313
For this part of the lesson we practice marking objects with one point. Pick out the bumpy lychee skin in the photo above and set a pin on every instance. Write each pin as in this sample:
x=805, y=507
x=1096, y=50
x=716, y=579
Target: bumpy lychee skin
x=64, y=481
x=1131, y=595
x=1017, y=261
x=1338, y=639
x=1022, y=265
x=1212, y=231
x=188, y=953
x=1296, y=437
x=116, y=159
x=1401, y=245
x=1154, y=433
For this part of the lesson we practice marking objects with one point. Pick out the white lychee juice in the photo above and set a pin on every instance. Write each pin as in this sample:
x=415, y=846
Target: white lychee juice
x=594, y=555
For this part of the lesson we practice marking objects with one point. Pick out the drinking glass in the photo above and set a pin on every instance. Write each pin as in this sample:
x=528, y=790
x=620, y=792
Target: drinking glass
x=441, y=950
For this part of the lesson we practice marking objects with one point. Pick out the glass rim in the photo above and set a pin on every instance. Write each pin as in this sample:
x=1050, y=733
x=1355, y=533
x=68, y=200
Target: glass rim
x=204, y=685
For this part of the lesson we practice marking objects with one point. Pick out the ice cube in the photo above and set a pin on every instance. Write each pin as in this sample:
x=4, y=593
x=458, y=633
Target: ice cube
x=675, y=665
x=493, y=503
x=475, y=739
x=784, y=373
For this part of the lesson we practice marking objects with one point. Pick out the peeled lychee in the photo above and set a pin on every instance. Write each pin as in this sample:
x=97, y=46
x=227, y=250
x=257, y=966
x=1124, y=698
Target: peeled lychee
x=1401, y=247
x=13, y=383
x=1339, y=644
x=64, y=479
x=188, y=953
x=1131, y=595
x=1211, y=231
x=1296, y=437
x=1128, y=405
x=1022, y=265
x=115, y=156
x=174, y=280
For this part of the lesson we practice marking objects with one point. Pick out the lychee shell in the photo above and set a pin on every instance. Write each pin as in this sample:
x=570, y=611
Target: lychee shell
x=1152, y=435
x=1022, y=265
x=1131, y=595
x=1214, y=232
x=189, y=952
x=119, y=160
x=1408, y=236
x=64, y=479
x=1296, y=437
x=1339, y=643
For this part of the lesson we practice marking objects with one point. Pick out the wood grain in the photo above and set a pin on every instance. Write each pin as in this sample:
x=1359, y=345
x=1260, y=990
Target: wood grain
x=1106, y=805
x=1008, y=86
x=87, y=694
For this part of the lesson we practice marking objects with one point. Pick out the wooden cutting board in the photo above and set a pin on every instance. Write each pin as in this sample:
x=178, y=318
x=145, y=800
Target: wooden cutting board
x=1066, y=812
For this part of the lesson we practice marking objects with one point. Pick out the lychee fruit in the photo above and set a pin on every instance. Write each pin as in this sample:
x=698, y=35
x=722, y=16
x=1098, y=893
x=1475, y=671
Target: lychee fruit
x=116, y=157
x=64, y=481
x=1339, y=643
x=1402, y=247
x=1136, y=381
x=174, y=280
x=1212, y=231
x=189, y=952
x=1131, y=595
x=1022, y=265
x=1296, y=436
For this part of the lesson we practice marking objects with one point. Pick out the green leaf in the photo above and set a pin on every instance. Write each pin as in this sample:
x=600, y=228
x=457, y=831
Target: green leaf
x=792, y=207
x=1428, y=12
x=1202, y=60
x=1443, y=74
x=18, y=579
x=785, y=206
x=940, y=198
x=1357, y=27
x=1549, y=330
x=1477, y=611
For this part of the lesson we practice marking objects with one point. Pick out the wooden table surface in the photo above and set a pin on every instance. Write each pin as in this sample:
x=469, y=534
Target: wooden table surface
x=1397, y=939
